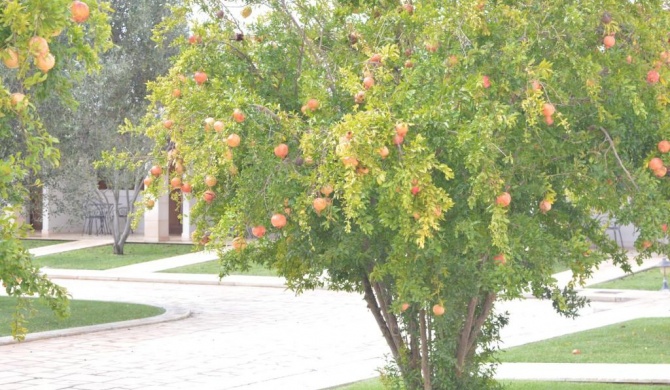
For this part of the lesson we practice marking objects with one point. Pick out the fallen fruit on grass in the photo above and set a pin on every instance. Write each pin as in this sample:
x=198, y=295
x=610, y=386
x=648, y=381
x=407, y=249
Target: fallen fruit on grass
x=576, y=352
x=609, y=41
x=499, y=259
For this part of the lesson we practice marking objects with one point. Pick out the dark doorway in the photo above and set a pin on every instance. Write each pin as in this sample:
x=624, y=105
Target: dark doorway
x=35, y=208
x=175, y=212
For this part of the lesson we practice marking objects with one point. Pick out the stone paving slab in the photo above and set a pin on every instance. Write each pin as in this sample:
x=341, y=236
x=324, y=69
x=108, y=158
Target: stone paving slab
x=260, y=338
x=236, y=338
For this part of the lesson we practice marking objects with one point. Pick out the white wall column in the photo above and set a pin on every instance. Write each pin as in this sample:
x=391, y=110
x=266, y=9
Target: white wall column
x=46, y=228
x=187, y=224
x=157, y=220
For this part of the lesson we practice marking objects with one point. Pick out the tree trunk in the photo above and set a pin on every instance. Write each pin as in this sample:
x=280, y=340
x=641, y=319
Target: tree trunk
x=388, y=325
x=472, y=329
x=118, y=248
x=425, y=358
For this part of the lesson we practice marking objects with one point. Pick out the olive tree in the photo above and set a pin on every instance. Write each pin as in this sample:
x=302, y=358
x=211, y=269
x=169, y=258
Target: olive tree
x=435, y=156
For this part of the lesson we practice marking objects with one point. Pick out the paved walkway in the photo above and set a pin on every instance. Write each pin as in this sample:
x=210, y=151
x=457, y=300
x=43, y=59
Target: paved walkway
x=230, y=335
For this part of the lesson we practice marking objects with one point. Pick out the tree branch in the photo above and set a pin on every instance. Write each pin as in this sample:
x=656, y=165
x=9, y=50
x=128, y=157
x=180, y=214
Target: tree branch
x=374, y=308
x=481, y=318
x=266, y=111
x=464, y=340
x=391, y=319
x=611, y=142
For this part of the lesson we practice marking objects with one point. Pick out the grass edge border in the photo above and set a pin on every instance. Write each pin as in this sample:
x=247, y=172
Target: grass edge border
x=171, y=314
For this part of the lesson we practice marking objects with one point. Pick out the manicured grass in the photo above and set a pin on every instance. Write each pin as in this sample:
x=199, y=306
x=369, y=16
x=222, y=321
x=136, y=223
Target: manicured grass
x=30, y=244
x=650, y=279
x=83, y=313
x=644, y=340
x=100, y=258
x=374, y=384
x=212, y=267
x=533, y=385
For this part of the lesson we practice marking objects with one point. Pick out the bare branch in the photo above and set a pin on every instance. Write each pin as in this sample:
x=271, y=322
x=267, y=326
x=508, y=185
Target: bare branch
x=611, y=142
x=266, y=111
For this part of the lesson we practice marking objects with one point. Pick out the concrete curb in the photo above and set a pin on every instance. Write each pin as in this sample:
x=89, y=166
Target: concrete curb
x=171, y=314
x=232, y=280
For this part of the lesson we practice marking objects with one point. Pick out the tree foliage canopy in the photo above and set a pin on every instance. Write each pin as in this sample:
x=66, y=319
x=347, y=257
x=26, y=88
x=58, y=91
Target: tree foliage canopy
x=523, y=121
x=32, y=33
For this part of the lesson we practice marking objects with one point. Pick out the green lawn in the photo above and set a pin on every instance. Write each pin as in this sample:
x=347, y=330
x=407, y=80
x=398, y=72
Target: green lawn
x=101, y=258
x=83, y=313
x=30, y=244
x=212, y=267
x=644, y=340
x=650, y=279
x=374, y=384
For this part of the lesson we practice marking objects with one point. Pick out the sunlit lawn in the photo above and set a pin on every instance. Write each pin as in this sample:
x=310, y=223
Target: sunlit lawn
x=650, y=279
x=83, y=313
x=30, y=244
x=643, y=340
x=102, y=257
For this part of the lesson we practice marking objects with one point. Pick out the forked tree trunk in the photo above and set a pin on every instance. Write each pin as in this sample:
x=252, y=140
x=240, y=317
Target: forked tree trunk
x=474, y=320
x=408, y=360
